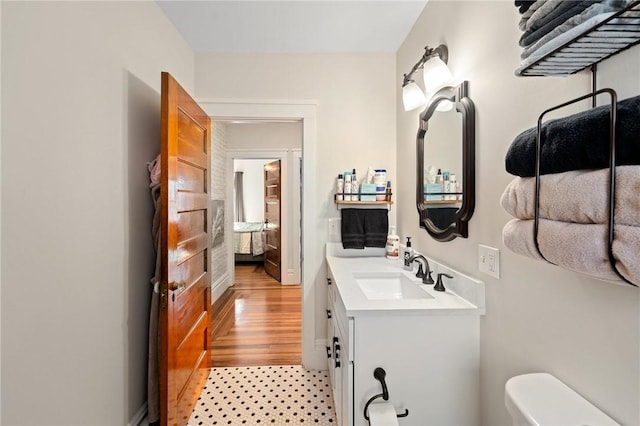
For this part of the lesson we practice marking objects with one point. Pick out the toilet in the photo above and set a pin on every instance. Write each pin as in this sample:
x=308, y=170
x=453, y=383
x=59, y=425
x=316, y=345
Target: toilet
x=539, y=399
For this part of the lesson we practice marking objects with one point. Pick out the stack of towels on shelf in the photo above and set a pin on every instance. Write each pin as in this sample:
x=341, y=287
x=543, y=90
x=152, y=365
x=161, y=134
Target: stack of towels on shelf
x=549, y=24
x=574, y=193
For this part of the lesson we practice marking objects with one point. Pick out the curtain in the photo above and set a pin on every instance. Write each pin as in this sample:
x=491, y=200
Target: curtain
x=239, y=197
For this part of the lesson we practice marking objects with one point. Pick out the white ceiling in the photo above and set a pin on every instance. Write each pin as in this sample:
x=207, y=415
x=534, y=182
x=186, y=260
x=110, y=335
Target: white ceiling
x=293, y=26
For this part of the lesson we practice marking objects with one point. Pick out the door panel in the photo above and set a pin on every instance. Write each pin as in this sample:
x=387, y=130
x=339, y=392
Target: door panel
x=272, y=187
x=185, y=285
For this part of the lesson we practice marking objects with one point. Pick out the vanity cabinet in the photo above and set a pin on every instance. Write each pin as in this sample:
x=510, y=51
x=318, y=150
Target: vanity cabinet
x=339, y=336
x=431, y=359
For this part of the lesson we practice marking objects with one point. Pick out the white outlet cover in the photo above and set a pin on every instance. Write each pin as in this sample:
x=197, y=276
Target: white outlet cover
x=334, y=227
x=489, y=260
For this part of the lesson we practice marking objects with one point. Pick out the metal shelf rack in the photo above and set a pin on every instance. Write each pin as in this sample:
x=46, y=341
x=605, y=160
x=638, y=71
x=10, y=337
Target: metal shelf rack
x=609, y=37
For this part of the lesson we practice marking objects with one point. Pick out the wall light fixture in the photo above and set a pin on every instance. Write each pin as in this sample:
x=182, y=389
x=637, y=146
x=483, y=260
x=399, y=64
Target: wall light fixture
x=435, y=74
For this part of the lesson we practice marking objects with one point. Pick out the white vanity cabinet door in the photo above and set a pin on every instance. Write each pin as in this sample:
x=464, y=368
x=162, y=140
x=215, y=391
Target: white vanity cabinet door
x=339, y=336
x=347, y=379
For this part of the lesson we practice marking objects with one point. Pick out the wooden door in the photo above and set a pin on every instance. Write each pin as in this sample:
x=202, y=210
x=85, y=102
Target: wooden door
x=272, y=235
x=185, y=295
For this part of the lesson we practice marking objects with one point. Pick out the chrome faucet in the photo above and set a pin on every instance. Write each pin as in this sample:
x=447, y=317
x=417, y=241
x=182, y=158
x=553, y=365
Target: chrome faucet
x=426, y=275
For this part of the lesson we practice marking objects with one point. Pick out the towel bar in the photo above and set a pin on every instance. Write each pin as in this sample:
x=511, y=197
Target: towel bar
x=612, y=173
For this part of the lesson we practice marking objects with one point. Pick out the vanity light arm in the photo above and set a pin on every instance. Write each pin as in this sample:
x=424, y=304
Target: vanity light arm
x=429, y=52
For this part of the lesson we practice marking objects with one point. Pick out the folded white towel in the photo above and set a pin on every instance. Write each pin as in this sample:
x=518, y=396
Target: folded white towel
x=580, y=196
x=578, y=247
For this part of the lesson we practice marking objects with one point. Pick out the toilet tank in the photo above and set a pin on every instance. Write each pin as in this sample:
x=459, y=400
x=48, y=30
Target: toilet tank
x=542, y=400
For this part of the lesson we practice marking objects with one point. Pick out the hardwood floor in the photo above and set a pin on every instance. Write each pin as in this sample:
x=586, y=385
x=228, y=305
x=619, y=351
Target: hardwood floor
x=257, y=321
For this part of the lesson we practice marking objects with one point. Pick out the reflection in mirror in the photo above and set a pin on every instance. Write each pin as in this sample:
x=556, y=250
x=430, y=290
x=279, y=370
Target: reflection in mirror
x=446, y=169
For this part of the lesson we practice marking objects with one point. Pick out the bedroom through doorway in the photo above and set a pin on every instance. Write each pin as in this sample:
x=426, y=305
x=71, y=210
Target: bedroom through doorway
x=259, y=320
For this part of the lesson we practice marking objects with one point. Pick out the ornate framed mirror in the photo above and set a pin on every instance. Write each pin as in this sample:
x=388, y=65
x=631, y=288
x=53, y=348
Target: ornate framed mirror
x=445, y=183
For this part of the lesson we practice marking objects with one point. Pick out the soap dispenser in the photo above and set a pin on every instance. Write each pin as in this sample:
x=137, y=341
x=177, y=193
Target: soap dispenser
x=406, y=255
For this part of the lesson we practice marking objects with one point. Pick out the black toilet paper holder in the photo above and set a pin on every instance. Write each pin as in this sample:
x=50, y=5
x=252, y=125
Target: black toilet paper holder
x=380, y=375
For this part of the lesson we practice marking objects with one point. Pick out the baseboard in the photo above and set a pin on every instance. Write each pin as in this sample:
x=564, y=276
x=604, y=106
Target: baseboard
x=219, y=286
x=139, y=417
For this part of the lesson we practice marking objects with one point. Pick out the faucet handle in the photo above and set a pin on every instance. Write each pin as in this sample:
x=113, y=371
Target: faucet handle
x=427, y=279
x=420, y=272
x=439, y=285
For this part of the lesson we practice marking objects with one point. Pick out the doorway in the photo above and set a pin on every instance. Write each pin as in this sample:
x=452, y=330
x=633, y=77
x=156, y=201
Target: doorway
x=313, y=349
x=259, y=320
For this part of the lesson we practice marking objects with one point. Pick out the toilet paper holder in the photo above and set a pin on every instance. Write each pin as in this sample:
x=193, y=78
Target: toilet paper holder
x=379, y=374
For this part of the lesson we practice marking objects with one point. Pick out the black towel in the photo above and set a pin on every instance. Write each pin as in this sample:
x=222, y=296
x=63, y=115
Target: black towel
x=523, y=5
x=364, y=228
x=442, y=218
x=579, y=141
x=352, y=228
x=376, y=227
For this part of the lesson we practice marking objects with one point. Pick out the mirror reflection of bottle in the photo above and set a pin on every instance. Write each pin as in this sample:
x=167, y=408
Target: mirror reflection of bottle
x=439, y=182
x=453, y=187
x=445, y=185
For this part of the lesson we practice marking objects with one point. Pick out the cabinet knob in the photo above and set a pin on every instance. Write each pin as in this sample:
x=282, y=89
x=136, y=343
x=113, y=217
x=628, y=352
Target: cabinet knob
x=329, y=313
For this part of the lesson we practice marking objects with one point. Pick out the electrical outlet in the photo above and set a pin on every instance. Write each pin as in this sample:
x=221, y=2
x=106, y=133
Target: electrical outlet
x=489, y=260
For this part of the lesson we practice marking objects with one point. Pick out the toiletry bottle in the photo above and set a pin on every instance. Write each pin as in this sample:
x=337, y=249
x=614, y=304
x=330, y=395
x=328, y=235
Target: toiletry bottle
x=340, y=188
x=453, y=187
x=439, y=182
x=445, y=184
x=388, y=190
x=406, y=255
x=439, y=177
x=347, y=186
x=354, y=187
x=393, y=244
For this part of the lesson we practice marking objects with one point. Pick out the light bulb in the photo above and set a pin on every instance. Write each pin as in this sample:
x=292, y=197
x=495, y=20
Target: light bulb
x=412, y=96
x=436, y=74
x=444, y=105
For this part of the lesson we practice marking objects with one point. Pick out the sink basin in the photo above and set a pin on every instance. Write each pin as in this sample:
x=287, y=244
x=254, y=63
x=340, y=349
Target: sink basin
x=389, y=286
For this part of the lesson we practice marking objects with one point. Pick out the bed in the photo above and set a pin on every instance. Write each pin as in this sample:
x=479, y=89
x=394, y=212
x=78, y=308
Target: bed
x=248, y=244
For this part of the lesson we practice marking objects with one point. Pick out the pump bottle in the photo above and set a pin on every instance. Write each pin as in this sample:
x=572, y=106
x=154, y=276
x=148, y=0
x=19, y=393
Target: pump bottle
x=393, y=244
x=406, y=255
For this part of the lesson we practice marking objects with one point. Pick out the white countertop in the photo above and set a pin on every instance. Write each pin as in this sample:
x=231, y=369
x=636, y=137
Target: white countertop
x=344, y=264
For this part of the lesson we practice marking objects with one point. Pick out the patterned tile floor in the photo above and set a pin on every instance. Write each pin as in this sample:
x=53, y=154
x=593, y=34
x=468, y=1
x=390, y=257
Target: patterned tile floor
x=272, y=395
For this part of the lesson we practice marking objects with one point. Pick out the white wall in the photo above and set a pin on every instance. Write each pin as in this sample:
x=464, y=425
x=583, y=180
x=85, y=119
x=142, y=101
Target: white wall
x=220, y=263
x=0, y=219
x=80, y=86
x=265, y=135
x=539, y=317
x=260, y=137
x=355, y=94
x=253, y=187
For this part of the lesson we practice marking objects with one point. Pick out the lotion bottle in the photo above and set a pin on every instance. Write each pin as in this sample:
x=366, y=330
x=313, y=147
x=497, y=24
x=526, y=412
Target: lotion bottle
x=393, y=244
x=406, y=255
